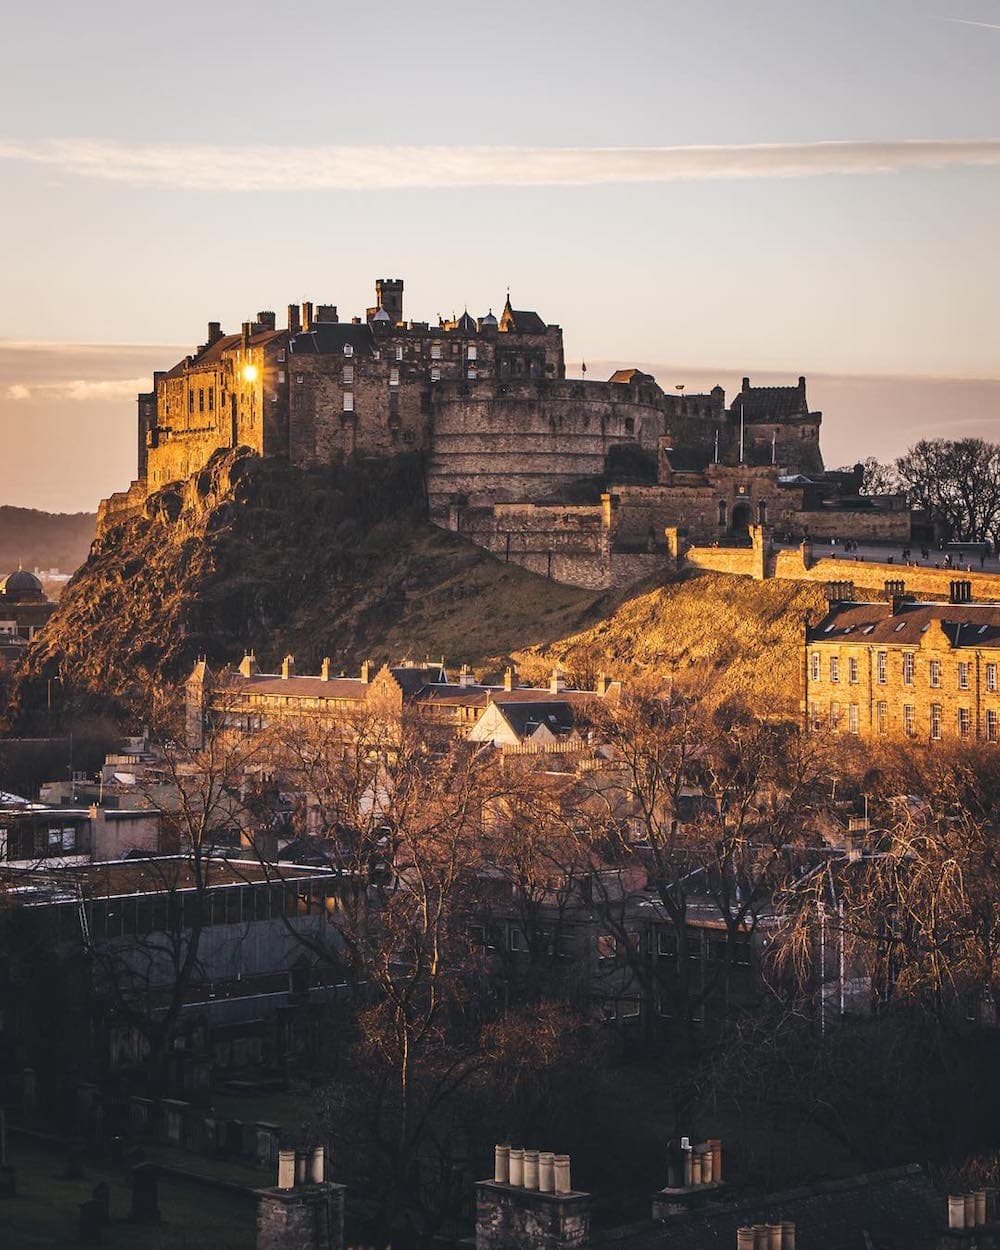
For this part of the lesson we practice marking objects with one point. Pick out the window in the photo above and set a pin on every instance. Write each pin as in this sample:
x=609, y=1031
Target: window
x=834, y=715
x=628, y=1008
x=908, y=668
x=472, y=353
x=935, y=673
x=880, y=664
x=393, y=377
x=834, y=668
x=348, y=349
x=964, y=721
x=935, y=721
x=963, y=674
x=908, y=719
x=607, y=947
x=516, y=940
x=435, y=375
x=299, y=379
x=348, y=375
x=201, y=399
x=281, y=375
x=666, y=943
x=281, y=356
x=471, y=375
x=852, y=718
x=882, y=717
x=814, y=659
x=852, y=670
x=991, y=724
x=211, y=399
x=991, y=677
x=190, y=401
x=435, y=351
x=348, y=401
x=399, y=352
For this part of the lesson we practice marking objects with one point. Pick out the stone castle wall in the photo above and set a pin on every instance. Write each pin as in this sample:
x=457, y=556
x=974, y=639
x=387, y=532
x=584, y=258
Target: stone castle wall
x=506, y=442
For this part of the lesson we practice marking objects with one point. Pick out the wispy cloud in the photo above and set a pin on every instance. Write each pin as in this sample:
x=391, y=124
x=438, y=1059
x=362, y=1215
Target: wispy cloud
x=965, y=21
x=206, y=167
x=77, y=390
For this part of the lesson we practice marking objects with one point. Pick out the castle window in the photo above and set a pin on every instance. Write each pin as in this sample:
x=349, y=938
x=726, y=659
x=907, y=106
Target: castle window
x=908, y=719
x=348, y=401
x=991, y=724
x=935, y=673
x=964, y=721
x=908, y=668
x=211, y=399
x=935, y=721
x=852, y=718
x=991, y=677
x=852, y=670
x=201, y=399
x=190, y=401
x=815, y=660
x=963, y=675
x=880, y=666
x=348, y=349
x=882, y=717
x=834, y=668
x=472, y=353
x=348, y=377
x=435, y=351
x=630, y=425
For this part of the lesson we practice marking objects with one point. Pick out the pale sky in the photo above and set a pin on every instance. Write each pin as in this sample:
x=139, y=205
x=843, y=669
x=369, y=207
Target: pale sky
x=718, y=188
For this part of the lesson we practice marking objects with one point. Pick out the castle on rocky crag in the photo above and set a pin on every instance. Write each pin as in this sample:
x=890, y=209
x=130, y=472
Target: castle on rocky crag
x=572, y=478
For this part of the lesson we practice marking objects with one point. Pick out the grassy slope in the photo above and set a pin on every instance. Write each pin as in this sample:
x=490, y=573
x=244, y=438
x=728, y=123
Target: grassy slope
x=343, y=564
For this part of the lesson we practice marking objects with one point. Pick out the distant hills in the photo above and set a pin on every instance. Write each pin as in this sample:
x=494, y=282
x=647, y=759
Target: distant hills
x=45, y=540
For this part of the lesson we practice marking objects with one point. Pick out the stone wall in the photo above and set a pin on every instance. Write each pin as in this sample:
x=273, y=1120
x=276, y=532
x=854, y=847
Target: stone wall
x=872, y=575
x=860, y=524
x=121, y=506
x=506, y=442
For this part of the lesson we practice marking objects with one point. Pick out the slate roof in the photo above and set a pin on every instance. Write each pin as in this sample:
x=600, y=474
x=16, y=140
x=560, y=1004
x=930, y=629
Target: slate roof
x=525, y=717
x=965, y=624
x=897, y=1209
x=521, y=321
x=329, y=338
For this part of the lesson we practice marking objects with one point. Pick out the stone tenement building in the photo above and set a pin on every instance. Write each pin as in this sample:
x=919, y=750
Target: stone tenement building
x=924, y=671
x=572, y=478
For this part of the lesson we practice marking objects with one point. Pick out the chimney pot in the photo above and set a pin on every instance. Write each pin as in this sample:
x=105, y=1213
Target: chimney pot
x=970, y=1210
x=562, y=1175
x=956, y=1211
x=317, y=1165
x=787, y=1235
x=516, y=1166
x=508, y=679
x=248, y=665
x=531, y=1169
x=288, y=667
x=294, y=324
x=546, y=1172
x=744, y=1239
x=301, y=1167
x=307, y=316
x=716, y=1145
x=286, y=1169
x=324, y=671
x=774, y=1237
x=501, y=1164
x=980, y=1197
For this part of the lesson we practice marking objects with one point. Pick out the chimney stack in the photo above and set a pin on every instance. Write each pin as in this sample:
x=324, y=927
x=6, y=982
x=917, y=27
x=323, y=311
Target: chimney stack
x=326, y=312
x=307, y=316
x=466, y=677
x=508, y=679
x=214, y=333
x=530, y=1204
x=691, y=1171
x=267, y=320
x=366, y=672
x=288, y=667
x=248, y=665
x=324, y=671
x=766, y=1236
x=961, y=592
x=603, y=684
x=839, y=592
x=556, y=682
x=246, y=331
x=294, y=324
x=304, y=1209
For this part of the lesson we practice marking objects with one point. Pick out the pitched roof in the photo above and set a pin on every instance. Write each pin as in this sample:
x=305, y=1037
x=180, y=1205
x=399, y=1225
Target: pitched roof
x=897, y=1209
x=520, y=321
x=327, y=338
x=965, y=624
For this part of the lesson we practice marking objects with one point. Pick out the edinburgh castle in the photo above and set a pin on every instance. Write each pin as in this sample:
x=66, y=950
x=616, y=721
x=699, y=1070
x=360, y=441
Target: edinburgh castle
x=572, y=478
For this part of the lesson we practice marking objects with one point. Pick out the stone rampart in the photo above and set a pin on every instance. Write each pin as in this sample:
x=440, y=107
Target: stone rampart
x=872, y=575
x=121, y=506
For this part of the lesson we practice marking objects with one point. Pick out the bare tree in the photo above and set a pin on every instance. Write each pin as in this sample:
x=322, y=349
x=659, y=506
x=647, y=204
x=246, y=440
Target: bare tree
x=958, y=483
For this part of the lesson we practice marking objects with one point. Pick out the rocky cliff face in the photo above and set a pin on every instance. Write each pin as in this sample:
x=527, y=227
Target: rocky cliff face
x=337, y=562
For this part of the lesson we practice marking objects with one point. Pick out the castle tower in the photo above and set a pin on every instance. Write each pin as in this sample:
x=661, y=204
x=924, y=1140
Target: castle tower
x=389, y=295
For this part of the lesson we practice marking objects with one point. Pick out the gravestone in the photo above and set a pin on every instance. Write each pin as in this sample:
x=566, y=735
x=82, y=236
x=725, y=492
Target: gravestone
x=145, y=1196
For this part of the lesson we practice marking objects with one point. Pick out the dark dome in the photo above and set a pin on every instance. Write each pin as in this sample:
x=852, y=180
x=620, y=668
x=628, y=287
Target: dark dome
x=21, y=584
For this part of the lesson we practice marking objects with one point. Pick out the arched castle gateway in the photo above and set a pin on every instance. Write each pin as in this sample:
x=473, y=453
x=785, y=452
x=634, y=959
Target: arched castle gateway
x=574, y=479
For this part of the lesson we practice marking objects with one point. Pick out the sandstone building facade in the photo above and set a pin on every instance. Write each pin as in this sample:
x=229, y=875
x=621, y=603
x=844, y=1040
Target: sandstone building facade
x=929, y=672
x=572, y=478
